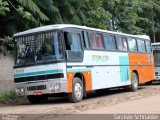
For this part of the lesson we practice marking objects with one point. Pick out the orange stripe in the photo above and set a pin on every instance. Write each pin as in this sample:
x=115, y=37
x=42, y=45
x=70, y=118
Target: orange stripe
x=88, y=80
x=70, y=76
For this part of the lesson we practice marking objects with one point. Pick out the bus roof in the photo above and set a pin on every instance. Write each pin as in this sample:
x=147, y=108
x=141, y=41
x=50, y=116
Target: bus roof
x=158, y=43
x=61, y=26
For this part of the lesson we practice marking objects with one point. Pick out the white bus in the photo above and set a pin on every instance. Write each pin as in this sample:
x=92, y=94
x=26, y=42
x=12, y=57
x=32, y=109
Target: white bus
x=73, y=60
x=156, y=53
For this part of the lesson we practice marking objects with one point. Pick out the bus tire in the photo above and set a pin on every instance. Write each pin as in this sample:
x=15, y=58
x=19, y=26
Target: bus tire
x=134, y=82
x=77, y=91
x=36, y=99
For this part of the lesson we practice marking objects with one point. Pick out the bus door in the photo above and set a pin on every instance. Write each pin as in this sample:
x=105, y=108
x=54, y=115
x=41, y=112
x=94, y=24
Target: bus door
x=74, y=51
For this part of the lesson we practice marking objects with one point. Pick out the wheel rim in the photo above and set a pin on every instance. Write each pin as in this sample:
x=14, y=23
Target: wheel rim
x=135, y=81
x=78, y=90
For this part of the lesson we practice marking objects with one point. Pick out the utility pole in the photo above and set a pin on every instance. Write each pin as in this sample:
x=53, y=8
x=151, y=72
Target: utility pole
x=153, y=27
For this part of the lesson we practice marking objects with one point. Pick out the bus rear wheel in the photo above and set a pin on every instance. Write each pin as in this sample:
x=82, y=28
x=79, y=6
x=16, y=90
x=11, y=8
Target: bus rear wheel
x=77, y=91
x=134, y=82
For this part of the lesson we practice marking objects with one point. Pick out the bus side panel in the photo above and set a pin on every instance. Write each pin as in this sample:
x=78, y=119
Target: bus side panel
x=86, y=75
x=107, y=70
x=142, y=63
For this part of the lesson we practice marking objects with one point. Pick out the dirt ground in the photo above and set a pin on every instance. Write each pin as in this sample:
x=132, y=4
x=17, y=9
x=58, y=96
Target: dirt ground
x=149, y=105
x=60, y=106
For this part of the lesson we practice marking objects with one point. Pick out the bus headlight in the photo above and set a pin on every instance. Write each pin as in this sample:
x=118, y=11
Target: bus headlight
x=20, y=91
x=51, y=87
x=57, y=86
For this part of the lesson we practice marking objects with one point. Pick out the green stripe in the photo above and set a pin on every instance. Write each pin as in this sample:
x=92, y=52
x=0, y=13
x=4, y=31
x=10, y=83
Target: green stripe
x=78, y=70
x=37, y=73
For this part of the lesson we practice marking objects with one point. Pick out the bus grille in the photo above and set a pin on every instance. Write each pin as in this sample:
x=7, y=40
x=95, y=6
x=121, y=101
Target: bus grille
x=40, y=87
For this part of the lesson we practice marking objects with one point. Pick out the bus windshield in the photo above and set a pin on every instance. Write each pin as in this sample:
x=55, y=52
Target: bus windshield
x=38, y=48
x=156, y=54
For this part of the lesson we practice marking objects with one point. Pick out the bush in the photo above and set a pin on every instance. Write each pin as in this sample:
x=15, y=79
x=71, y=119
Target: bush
x=12, y=98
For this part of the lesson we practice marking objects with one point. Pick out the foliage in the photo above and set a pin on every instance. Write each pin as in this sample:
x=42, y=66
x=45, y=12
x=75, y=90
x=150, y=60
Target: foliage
x=12, y=98
x=129, y=16
x=98, y=16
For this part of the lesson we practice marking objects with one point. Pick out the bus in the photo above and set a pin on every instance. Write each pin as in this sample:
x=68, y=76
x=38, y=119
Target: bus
x=156, y=53
x=73, y=60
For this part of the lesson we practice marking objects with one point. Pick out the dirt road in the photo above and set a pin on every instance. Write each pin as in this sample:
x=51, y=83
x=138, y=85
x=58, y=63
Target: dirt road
x=149, y=105
x=94, y=103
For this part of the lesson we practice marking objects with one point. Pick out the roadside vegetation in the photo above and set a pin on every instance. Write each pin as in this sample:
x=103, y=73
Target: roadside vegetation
x=12, y=98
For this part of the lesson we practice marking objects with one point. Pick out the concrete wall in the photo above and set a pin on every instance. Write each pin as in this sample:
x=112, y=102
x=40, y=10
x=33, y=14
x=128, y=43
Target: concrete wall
x=6, y=72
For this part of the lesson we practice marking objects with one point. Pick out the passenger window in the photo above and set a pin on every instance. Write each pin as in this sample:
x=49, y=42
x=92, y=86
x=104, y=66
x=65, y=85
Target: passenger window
x=93, y=41
x=73, y=42
x=99, y=41
x=148, y=46
x=110, y=42
x=124, y=40
x=141, y=46
x=86, y=41
x=121, y=43
x=132, y=44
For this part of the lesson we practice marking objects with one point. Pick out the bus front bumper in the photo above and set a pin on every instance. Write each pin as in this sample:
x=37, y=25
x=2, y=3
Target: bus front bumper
x=40, y=88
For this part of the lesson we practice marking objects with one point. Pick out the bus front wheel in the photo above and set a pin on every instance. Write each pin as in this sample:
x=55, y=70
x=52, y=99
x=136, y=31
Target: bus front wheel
x=77, y=90
x=134, y=82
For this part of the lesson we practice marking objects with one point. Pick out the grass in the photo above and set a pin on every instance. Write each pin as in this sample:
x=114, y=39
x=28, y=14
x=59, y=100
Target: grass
x=12, y=98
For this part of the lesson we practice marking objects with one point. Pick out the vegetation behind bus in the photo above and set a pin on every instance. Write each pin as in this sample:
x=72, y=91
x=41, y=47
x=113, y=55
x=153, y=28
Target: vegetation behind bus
x=133, y=17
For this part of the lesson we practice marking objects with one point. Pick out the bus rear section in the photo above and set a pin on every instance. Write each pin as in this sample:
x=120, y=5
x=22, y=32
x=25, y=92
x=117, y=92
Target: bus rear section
x=142, y=61
x=156, y=53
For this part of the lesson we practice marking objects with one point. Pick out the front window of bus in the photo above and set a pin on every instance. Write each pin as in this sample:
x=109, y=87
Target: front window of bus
x=156, y=57
x=24, y=50
x=48, y=47
x=39, y=48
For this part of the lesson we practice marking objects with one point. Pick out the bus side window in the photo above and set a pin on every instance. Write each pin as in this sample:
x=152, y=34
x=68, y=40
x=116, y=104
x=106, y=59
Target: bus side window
x=132, y=44
x=113, y=42
x=148, y=46
x=93, y=40
x=124, y=40
x=110, y=42
x=73, y=41
x=141, y=46
x=99, y=41
x=121, y=43
x=86, y=40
